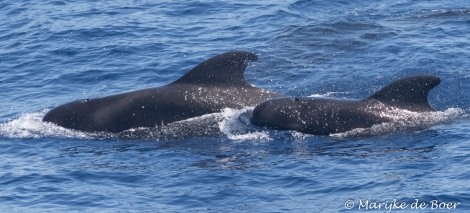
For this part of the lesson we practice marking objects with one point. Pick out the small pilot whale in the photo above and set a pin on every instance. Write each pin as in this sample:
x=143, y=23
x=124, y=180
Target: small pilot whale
x=211, y=86
x=323, y=116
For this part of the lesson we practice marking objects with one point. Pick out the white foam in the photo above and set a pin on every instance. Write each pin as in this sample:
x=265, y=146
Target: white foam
x=232, y=126
x=30, y=125
x=403, y=120
x=300, y=135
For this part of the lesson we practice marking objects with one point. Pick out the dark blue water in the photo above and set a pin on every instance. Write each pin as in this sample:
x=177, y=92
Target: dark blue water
x=52, y=52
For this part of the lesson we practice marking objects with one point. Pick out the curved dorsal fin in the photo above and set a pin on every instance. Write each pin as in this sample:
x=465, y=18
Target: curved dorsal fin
x=226, y=68
x=408, y=93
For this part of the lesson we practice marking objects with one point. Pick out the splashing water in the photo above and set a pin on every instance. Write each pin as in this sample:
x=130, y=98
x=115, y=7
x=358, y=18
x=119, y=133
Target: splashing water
x=30, y=125
x=233, y=127
x=404, y=120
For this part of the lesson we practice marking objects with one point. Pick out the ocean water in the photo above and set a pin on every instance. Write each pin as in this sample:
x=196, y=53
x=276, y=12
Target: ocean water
x=53, y=52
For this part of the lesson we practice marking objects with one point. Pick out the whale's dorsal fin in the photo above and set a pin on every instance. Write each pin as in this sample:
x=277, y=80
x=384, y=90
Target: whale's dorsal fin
x=408, y=93
x=226, y=68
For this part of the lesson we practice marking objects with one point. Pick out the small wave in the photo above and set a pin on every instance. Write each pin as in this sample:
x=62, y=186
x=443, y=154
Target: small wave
x=404, y=120
x=444, y=13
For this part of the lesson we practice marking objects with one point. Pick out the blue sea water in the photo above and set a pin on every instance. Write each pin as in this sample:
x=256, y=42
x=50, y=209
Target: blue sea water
x=53, y=52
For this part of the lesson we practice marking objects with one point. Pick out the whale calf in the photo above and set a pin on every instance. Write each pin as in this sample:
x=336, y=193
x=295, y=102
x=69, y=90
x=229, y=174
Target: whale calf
x=213, y=85
x=324, y=116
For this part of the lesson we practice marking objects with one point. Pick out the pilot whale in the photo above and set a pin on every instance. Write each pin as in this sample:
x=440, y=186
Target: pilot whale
x=324, y=116
x=211, y=86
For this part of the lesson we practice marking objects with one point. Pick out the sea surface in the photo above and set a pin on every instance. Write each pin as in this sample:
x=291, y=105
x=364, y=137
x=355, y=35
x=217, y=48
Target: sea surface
x=54, y=52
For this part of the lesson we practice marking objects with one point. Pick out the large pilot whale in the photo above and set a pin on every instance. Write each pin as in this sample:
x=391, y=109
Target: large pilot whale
x=324, y=116
x=213, y=85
